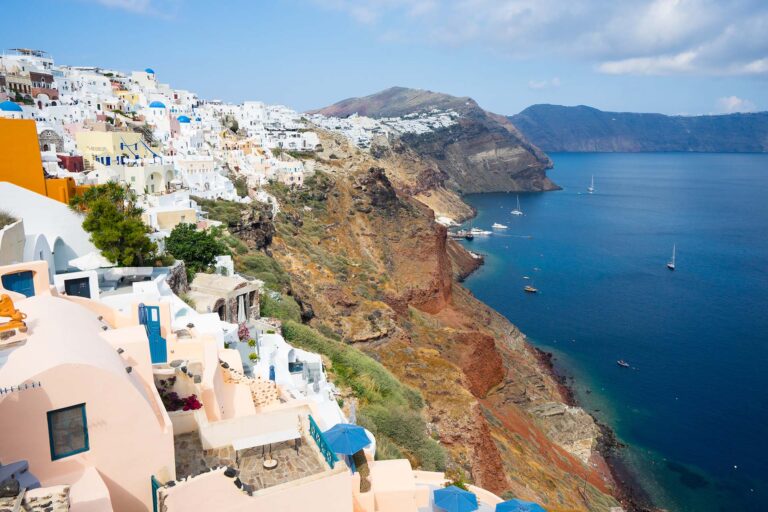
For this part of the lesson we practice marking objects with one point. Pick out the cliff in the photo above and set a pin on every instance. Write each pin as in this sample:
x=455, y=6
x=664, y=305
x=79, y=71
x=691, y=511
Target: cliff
x=558, y=128
x=365, y=254
x=482, y=152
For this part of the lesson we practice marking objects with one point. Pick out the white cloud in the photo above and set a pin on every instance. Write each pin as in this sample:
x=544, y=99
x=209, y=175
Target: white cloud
x=537, y=85
x=732, y=104
x=619, y=36
x=661, y=65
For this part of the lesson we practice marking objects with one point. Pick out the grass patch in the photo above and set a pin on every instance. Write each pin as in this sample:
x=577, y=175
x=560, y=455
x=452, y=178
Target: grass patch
x=227, y=212
x=388, y=408
x=259, y=265
x=283, y=307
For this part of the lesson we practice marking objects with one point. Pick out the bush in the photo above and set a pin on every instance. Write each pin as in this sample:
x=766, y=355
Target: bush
x=284, y=307
x=252, y=343
x=261, y=266
x=253, y=356
x=388, y=408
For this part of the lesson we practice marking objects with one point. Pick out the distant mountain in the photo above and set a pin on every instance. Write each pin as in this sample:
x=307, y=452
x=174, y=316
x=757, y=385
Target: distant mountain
x=582, y=128
x=483, y=152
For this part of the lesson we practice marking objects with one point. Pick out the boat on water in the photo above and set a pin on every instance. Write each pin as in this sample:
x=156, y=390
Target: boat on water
x=480, y=232
x=622, y=363
x=462, y=234
x=496, y=225
x=530, y=289
x=517, y=211
x=671, y=263
x=591, y=187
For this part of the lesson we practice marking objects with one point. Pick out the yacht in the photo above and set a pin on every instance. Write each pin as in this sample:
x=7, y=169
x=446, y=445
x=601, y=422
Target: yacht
x=671, y=263
x=530, y=289
x=622, y=363
x=480, y=232
x=591, y=187
x=517, y=211
x=496, y=225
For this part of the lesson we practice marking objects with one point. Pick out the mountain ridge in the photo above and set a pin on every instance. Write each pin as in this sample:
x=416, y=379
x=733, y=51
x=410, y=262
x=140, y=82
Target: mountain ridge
x=583, y=128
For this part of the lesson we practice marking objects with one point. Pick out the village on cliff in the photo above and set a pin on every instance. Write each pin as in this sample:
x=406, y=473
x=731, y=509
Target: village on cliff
x=158, y=385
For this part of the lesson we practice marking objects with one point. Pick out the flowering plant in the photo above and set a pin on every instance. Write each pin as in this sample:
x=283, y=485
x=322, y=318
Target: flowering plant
x=243, y=332
x=171, y=399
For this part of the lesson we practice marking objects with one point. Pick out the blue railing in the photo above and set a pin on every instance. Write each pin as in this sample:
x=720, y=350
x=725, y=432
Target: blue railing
x=322, y=444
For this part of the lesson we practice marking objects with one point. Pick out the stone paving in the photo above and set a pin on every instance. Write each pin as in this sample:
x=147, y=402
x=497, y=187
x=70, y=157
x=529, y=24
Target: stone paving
x=191, y=459
x=290, y=465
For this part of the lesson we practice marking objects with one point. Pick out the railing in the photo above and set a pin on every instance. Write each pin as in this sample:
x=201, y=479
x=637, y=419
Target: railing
x=322, y=444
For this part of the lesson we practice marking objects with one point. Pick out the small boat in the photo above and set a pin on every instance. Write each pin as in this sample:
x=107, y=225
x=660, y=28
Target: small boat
x=496, y=225
x=480, y=232
x=591, y=187
x=622, y=363
x=526, y=277
x=530, y=289
x=671, y=263
x=517, y=211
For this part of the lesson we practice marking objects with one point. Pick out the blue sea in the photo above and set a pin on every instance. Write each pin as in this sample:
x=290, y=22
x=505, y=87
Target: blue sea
x=693, y=407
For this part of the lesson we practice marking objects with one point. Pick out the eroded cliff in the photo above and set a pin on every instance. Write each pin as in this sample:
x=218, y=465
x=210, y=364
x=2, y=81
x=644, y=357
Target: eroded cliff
x=363, y=251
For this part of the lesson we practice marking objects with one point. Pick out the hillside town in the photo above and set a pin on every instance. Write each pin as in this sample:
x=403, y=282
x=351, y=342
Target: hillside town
x=135, y=385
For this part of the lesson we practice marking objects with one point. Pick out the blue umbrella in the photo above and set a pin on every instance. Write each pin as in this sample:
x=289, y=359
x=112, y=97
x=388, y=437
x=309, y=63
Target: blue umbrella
x=346, y=439
x=453, y=499
x=519, y=506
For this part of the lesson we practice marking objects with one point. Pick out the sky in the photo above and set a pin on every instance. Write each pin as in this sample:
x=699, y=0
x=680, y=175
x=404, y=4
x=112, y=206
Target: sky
x=670, y=56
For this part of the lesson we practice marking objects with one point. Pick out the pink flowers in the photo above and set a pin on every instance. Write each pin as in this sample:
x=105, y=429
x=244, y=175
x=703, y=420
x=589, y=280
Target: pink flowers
x=173, y=402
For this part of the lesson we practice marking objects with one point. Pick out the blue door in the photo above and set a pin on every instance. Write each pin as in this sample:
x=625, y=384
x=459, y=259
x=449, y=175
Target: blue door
x=20, y=282
x=149, y=316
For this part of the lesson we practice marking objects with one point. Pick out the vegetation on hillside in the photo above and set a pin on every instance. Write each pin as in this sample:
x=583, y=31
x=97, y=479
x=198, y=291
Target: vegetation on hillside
x=114, y=222
x=388, y=408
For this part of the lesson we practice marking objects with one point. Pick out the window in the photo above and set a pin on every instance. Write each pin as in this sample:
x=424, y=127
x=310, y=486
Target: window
x=67, y=431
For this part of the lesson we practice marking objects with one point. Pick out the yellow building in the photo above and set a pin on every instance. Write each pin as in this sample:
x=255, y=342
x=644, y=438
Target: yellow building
x=20, y=162
x=132, y=98
x=108, y=146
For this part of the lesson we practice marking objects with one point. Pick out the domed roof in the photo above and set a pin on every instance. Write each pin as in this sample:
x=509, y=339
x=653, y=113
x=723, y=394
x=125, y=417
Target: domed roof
x=157, y=104
x=150, y=71
x=183, y=119
x=9, y=106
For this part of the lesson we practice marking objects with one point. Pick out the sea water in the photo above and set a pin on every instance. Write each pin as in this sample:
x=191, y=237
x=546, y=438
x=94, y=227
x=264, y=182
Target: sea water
x=693, y=407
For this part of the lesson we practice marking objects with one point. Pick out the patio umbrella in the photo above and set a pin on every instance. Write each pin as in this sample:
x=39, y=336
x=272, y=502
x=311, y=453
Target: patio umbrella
x=346, y=439
x=519, y=506
x=453, y=499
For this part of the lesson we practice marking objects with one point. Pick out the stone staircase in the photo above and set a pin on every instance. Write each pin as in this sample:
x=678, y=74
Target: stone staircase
x=263, y=392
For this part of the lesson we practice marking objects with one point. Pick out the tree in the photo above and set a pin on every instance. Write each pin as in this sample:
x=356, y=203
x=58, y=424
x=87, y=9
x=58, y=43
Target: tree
x=114, y=222
x=198, y=248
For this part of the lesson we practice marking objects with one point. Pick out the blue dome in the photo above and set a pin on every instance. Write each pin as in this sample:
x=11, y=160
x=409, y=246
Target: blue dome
x=150, y=71
x=183, y=119
x=9, y=106
x=157, y=104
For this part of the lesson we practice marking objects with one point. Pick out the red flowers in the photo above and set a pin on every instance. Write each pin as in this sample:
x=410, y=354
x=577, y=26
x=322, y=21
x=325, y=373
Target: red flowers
x=173, y=402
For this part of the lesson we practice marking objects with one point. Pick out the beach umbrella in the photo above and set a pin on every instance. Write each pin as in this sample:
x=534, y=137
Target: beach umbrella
x=346, y=439
x=453, y=499
x=519, y=506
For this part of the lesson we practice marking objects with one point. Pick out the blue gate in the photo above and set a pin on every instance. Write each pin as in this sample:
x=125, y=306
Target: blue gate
x=20, y=282
x=149, y=317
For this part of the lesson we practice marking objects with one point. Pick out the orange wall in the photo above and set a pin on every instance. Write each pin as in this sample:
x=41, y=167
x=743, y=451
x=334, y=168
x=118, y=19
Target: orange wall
x=20, y=161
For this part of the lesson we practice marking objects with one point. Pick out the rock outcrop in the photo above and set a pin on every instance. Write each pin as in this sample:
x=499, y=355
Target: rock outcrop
x=483, y=152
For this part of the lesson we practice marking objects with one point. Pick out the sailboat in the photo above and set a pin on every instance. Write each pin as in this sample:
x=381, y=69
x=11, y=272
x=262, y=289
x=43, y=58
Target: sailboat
x=591, y=187
x=517, y=211
x=671, y=264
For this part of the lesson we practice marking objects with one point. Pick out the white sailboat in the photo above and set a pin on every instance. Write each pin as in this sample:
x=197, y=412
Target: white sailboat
x=591, y=187
x=671, y=264
x=517, y=211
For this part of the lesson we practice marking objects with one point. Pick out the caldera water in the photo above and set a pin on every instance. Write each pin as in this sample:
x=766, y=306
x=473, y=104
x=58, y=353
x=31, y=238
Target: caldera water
x=693, y=406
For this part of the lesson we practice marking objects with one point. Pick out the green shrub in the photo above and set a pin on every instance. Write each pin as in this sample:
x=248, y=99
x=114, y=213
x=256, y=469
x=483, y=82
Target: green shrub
x=253, y=356
x=261, y=266
x=284, y=307
x=251, y=342
x=388, y=408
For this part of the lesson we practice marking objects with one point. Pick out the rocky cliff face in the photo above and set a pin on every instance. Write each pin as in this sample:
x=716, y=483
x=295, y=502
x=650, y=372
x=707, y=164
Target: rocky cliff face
x=558, y=128
x=481, y=153
x=377, y=270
